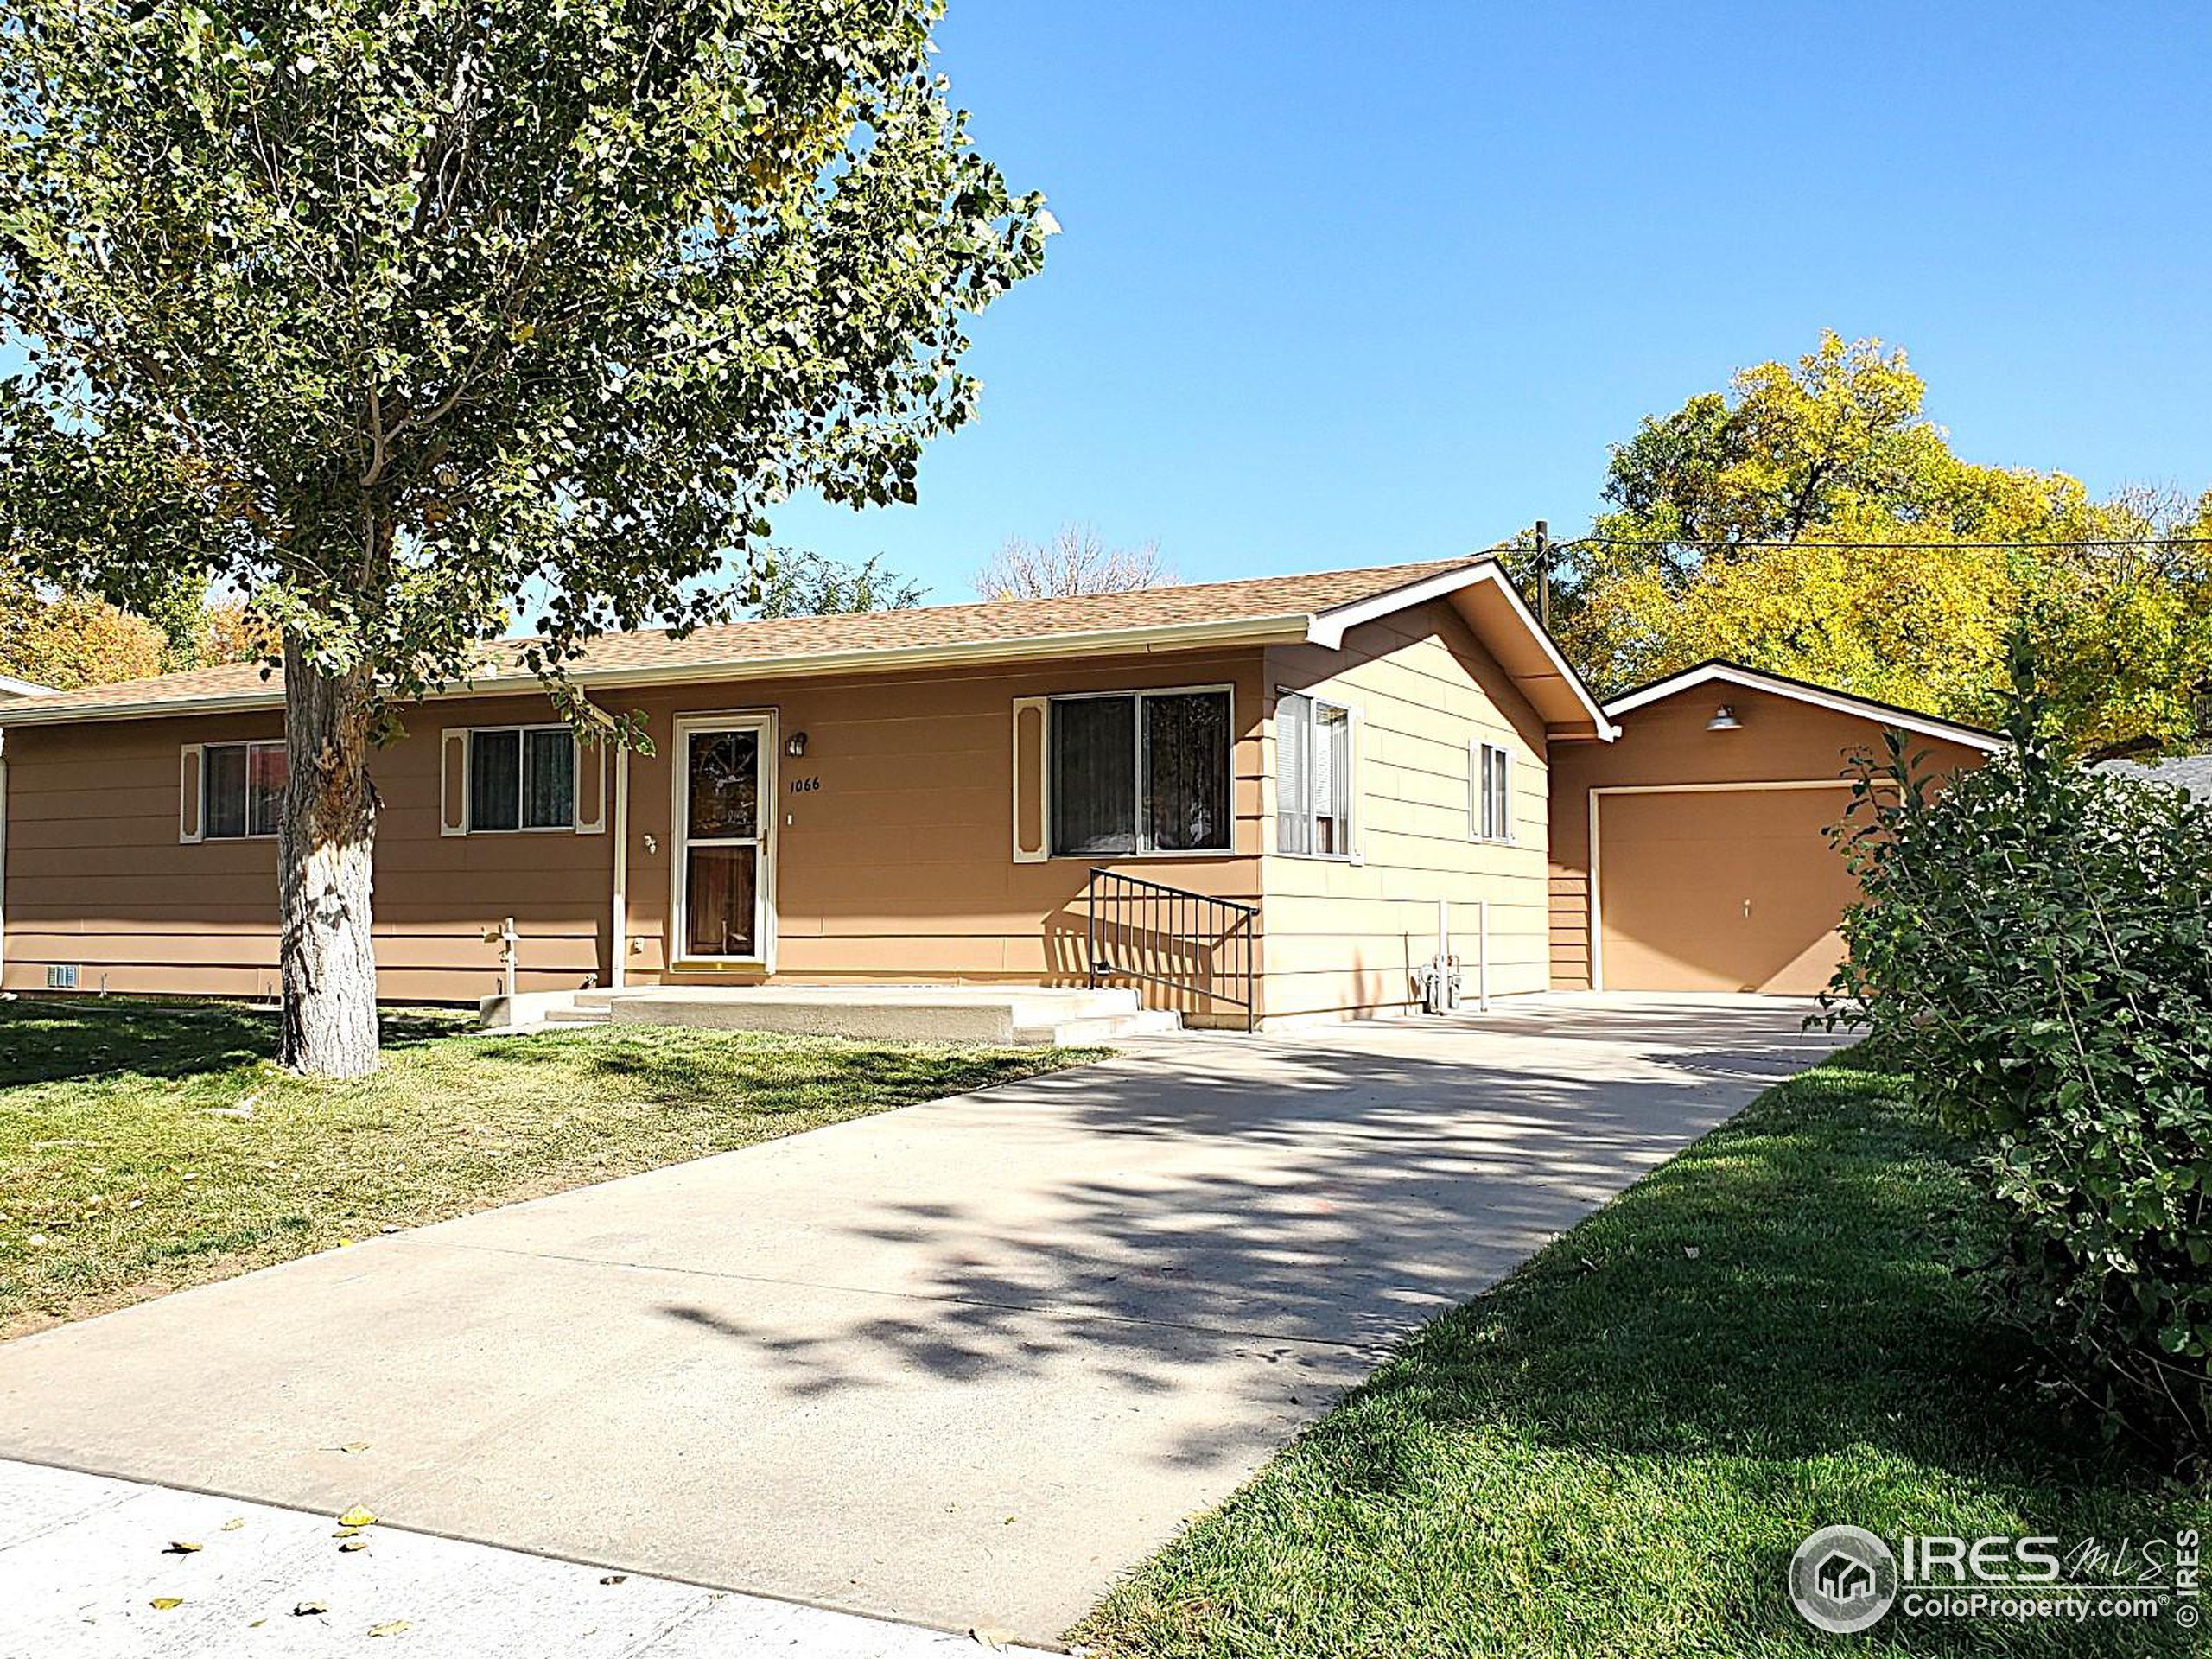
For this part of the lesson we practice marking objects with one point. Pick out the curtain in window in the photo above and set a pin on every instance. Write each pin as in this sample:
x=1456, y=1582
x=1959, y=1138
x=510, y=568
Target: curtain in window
x=495, y=780
x=266, y=766
x=1293, y=774
x=1186, y=772
x=222, y=808
x=1094, y=775
x=549, y=785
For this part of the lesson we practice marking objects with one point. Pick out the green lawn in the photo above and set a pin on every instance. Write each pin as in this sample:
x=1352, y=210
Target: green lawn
x=145, y=1147
x=1616, y=1451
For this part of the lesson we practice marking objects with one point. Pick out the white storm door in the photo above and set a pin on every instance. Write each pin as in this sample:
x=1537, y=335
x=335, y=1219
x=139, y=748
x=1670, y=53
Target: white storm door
x=725, y=806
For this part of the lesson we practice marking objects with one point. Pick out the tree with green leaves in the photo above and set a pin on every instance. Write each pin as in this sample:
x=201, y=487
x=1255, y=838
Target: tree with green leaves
x=1812, y=521
x=401, y=320
x=801, y=583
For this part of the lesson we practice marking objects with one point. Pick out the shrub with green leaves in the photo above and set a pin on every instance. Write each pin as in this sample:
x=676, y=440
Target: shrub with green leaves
x=2036, y=939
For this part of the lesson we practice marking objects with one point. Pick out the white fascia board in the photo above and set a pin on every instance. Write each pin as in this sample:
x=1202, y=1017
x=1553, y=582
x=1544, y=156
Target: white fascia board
x=1841, y=703
x=1330, y=626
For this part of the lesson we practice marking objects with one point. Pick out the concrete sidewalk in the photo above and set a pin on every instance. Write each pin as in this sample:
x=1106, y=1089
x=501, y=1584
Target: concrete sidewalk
x=89, y=1569
x=958, y=1363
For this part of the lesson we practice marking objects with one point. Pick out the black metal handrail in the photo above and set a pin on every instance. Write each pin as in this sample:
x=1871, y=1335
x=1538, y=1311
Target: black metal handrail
x=1187, y=942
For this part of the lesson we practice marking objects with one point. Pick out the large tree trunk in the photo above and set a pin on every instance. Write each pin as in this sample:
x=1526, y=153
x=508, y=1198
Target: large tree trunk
x=328, y=834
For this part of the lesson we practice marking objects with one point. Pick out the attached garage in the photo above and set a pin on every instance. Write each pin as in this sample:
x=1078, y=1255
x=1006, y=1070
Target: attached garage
x=1690, y=854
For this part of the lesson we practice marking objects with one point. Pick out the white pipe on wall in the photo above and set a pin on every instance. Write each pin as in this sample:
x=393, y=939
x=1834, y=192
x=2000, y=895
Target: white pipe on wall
x=618, y=934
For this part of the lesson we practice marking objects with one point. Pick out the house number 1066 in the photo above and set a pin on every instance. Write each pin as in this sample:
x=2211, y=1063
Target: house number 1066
x=805, y=785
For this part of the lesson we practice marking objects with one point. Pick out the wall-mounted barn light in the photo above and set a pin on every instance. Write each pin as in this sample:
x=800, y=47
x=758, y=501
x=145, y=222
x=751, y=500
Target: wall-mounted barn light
x=1724, y=720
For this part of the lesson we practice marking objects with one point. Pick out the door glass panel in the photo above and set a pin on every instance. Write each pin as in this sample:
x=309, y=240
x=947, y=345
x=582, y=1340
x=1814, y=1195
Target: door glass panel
x=719, y=884
x=725, y=794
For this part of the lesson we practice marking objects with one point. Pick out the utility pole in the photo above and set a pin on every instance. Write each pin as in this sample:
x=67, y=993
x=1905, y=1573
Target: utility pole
x=1544, y=573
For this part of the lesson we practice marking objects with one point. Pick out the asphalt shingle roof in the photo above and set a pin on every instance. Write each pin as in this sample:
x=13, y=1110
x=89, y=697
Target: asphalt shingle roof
x=734, y=645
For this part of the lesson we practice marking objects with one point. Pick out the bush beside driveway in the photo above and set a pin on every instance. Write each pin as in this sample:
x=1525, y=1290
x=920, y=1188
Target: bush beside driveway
x=145, y=1147
x=1617, y=1450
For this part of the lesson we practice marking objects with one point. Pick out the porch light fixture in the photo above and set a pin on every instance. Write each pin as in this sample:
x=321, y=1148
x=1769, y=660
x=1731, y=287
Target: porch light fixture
x=795, y=745
x=1724, y=720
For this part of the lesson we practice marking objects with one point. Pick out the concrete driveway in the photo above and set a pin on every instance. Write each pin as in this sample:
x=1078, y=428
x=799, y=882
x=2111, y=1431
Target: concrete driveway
x=957, y=1363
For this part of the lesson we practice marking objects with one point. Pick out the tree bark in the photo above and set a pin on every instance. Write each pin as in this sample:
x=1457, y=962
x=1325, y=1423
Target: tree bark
x=324, y=846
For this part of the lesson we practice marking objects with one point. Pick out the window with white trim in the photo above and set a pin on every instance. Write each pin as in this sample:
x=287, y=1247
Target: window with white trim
x=521, y=777
x=1490, y=814
x=241, y=790
x=1313, y=776
x=1141, y=772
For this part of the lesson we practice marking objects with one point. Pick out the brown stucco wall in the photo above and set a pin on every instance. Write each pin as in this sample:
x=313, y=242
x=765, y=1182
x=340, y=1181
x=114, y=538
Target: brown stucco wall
x=1781, y=740
x=1344, y=938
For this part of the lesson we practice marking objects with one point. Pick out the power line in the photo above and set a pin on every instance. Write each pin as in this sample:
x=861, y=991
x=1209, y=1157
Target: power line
x=1901, y=547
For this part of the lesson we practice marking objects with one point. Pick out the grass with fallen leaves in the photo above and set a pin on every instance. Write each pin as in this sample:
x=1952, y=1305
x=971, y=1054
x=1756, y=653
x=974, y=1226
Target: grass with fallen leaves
x=1614, y=1453
x=145, y=1147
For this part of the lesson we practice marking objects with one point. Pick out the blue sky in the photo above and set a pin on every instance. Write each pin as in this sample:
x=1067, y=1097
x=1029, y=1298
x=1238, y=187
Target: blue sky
x=1363, y=283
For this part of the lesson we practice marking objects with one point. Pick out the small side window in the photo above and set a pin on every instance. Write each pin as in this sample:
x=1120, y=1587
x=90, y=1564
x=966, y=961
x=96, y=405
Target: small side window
x=1492, y=817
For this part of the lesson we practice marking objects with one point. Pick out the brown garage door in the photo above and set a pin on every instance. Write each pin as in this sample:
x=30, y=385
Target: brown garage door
x=1721, y=890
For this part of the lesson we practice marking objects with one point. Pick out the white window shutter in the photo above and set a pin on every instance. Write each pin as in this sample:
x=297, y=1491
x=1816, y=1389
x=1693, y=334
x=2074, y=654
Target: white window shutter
x=1032, y=792
x=1475, y=783
x=452, y=781
x=191, y=810
x=591, y=787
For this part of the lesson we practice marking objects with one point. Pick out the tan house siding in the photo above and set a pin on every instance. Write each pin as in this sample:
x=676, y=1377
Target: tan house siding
x=1344, y=938
x=1781, y=740
x=96, y=874
x=899, y=864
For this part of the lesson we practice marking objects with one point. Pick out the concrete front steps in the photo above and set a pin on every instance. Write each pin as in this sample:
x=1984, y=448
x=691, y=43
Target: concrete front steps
x=1020, y=1014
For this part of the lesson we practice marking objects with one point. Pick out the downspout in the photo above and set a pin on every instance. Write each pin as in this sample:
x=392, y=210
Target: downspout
x=618, y=934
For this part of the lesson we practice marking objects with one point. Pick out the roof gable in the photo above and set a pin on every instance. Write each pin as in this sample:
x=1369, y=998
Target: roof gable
x=1721, y=673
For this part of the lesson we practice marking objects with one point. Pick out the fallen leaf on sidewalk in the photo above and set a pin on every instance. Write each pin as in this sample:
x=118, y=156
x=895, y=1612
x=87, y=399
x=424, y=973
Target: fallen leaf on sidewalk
x=164, y=1602
x=307, y=1607
x=614, y=1577
x=234, y=1524
x=354, y=1543
x=391, y=1628
x=352, y=1447
x=357, y=1518
x=990, y=1636
x=182, y=1547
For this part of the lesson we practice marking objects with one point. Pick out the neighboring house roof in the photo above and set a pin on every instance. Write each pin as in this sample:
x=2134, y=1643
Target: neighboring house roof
x=1316, y=608
x=12, y=687
x=2190, y=772
x=1719, y=671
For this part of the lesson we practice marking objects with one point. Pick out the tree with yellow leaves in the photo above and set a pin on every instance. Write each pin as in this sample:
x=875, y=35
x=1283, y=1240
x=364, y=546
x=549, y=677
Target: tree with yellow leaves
x=1811, y=521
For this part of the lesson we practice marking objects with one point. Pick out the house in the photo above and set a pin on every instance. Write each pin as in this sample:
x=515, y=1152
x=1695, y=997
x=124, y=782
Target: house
x=1689, y=853
x=1276, y=799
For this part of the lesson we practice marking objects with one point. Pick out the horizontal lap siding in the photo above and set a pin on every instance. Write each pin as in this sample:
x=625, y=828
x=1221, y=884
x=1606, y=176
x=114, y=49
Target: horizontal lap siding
x=1347, y=939
x=97, y=877
x=1669, y=743
x=899, y=865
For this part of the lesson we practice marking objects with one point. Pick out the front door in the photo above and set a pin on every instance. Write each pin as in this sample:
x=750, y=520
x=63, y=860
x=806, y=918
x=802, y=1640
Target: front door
x=725, y=806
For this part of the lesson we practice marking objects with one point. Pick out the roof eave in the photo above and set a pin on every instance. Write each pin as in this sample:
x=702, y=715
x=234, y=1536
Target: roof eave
x=1751, y=679
x=1282, y=629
